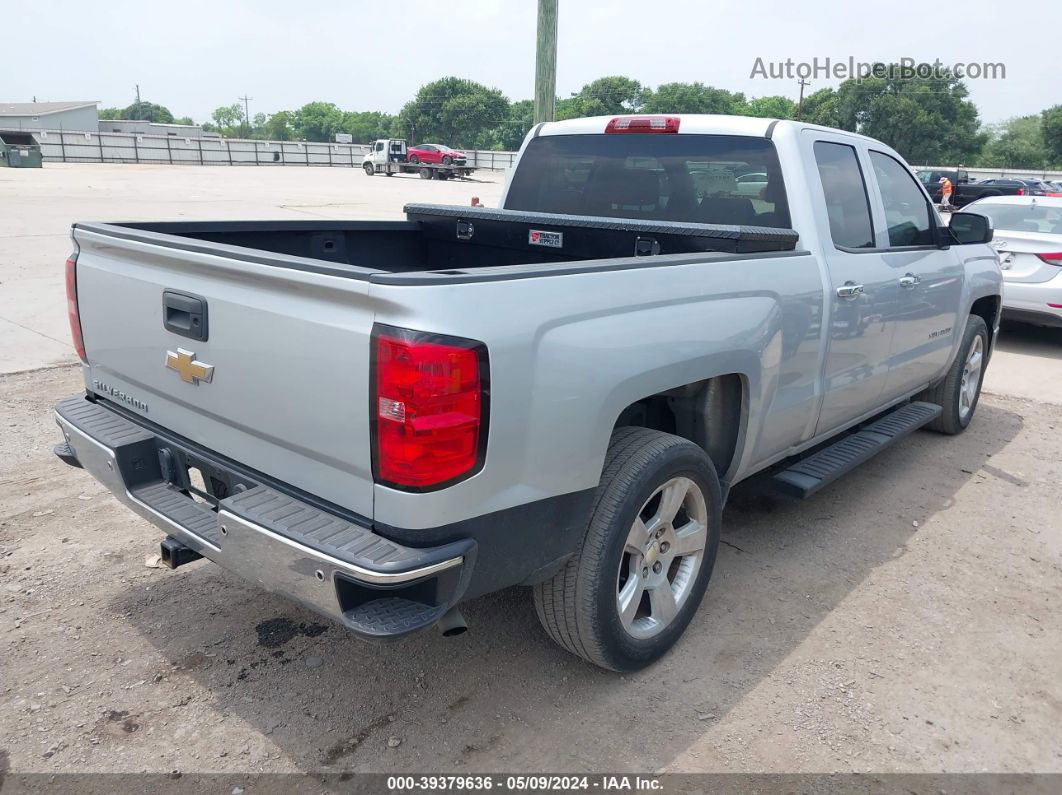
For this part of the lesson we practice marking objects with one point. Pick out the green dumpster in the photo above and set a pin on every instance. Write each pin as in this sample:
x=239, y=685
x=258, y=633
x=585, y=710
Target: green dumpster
x=19, y=150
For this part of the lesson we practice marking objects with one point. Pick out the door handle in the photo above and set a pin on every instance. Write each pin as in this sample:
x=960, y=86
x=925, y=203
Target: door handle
x=850, y=290
x=909, y=280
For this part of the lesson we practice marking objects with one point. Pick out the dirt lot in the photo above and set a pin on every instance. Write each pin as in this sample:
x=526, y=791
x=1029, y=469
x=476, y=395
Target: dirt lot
x=907, y=619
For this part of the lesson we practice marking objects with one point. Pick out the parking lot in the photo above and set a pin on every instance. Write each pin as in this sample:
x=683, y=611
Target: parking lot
x=905, y=619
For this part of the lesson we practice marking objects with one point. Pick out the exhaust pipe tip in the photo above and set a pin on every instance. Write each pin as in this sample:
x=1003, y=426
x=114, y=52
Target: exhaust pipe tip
x=452, y=623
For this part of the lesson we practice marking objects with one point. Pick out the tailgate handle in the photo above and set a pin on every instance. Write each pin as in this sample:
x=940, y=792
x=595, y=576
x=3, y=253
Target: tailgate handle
x=185, y=314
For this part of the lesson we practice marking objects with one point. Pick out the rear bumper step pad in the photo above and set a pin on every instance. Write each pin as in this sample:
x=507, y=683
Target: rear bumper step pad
x=809, y=475
x=374, y=586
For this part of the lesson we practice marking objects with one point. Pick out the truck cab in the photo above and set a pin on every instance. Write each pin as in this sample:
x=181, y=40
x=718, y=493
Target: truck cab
x=386, y=150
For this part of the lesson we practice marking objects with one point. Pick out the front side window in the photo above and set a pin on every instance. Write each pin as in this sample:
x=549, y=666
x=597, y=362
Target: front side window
x=847, y=205
x=694, y=178
x=907, y=215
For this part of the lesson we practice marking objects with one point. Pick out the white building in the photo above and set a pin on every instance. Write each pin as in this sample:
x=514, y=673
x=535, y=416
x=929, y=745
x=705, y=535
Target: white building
x=152, y=128
x=73, y=116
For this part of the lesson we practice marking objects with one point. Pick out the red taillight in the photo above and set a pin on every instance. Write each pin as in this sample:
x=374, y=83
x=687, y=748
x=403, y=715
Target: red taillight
x=643, y=124
x=71, y=307
x=1052, y=259
x=429, y=408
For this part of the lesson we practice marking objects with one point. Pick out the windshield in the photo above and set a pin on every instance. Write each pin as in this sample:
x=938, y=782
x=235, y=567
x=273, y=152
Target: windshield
x=1022, y=217
x=695, y=178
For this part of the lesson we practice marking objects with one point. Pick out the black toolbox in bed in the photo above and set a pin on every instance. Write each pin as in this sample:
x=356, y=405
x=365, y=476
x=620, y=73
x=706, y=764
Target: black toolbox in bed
x=572, y=237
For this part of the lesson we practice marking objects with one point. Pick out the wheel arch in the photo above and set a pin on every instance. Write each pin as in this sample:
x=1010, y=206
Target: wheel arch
x=711, y=412
x=988, y=308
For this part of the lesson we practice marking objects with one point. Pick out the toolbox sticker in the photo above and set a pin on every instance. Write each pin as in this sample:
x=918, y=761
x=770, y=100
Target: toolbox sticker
x=537, y=237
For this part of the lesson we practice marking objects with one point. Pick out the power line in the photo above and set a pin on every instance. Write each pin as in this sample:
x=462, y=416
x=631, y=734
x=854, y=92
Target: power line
x=246, y=110
x=800, y=105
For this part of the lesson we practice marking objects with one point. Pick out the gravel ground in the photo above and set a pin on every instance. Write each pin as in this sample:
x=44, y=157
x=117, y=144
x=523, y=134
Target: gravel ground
x=906, y=619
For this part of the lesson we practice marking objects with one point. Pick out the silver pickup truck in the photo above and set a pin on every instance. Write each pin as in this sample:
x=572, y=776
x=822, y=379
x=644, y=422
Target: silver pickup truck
x=381, y=420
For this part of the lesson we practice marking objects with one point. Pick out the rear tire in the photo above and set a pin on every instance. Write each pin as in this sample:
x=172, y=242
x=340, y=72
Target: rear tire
x=414, y=159
x=960, y=390
x=630, y=590
x=425, y=173
x=442, y=175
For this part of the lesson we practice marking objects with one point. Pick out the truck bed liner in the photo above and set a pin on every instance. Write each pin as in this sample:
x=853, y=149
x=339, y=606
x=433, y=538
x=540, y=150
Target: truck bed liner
x=445, y=240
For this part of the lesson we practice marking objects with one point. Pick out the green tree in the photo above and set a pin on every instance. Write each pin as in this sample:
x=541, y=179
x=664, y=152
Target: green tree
x=1016, y=143
x=1051, y=123
x=228, y=120
x=454, y=111
x=613, y=94
x=693, y=98
x=280, y=126
x=576, y=107
x=317, y=121
x=510, y=133
x=775, y=107
x=820, y=107
x=184, y=120
x=926, y=119
x=109, y=113
x=147, y=111
x=366, y=126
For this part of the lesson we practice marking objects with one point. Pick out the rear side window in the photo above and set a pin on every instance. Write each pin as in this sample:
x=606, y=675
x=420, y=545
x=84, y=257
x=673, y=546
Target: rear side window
x=847, y=205
x=708, y=179
x=1030, y=217
x=906, y=209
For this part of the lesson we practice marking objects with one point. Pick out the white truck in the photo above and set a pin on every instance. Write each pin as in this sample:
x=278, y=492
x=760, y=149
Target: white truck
x=381, y=420
x=389, y=156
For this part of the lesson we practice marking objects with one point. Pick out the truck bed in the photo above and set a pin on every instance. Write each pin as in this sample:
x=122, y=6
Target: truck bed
x=442, y=238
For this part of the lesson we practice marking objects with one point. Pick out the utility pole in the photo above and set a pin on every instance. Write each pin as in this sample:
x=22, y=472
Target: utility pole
x=138, y=101
x=546, y=62
x=246, y=113
x=800, y=105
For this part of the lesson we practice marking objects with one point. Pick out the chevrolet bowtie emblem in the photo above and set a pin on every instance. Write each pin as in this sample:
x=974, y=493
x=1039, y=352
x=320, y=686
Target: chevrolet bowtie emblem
x=188, y=367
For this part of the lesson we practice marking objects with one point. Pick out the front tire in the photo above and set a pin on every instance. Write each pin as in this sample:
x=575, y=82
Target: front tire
x=630, y=590
x=369, y=170
x=447, y=160
x=960, y=390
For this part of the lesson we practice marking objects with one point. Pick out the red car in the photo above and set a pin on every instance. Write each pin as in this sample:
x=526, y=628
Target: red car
x=435, y=153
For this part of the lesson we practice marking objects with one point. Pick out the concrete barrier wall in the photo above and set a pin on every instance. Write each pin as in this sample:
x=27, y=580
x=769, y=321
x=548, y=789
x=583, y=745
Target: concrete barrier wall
x=95, y=147
x=100, y=147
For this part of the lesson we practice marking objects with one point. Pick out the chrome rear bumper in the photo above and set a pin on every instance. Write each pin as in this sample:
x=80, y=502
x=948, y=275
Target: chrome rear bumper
x=328, y=563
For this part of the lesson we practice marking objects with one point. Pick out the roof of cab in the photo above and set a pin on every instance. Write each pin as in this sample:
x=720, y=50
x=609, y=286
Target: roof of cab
x=691, y=123
x=694, y=124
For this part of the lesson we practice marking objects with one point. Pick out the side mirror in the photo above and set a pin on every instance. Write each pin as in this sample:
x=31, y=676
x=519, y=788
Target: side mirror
x=970, y=228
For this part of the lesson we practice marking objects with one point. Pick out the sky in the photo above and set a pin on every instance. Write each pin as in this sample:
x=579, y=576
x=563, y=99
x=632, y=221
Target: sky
x=194, y=56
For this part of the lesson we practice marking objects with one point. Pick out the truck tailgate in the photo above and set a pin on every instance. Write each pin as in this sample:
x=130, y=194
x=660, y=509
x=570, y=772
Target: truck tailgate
x=288, y=391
